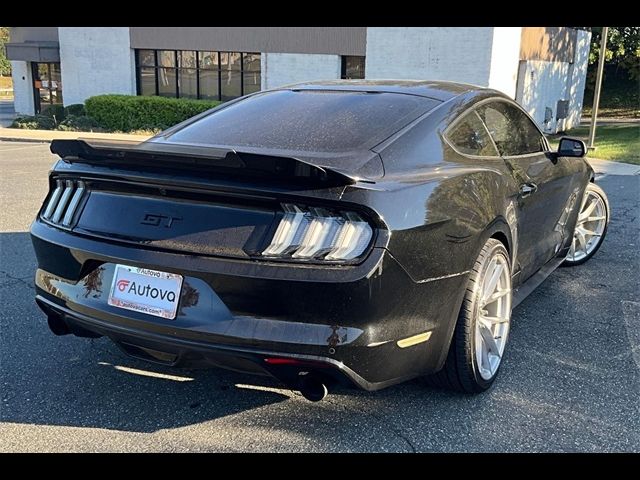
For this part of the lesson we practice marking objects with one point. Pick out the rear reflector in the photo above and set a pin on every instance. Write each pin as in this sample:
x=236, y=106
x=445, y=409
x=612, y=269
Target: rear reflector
x=282, y=361
x=295, y=361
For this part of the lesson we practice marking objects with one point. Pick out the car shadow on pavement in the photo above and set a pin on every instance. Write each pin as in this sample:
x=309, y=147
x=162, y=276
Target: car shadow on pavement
x=92, y=384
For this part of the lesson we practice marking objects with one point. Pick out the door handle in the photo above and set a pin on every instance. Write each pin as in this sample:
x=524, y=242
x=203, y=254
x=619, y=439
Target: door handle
x=527, y=189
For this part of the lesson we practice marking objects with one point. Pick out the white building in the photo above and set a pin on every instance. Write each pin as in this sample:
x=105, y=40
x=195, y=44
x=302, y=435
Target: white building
x=543, y=68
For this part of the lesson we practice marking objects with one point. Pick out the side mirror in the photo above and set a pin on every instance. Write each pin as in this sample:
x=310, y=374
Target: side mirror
x=571, y=147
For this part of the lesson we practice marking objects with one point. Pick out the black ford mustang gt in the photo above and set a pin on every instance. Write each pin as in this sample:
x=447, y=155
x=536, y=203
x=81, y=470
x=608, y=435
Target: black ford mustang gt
x=362, y=232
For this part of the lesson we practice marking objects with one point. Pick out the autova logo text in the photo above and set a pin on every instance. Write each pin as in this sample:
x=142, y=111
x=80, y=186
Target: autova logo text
x=147, y=290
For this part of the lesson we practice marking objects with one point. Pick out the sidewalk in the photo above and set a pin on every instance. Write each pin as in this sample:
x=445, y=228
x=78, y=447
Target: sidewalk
x=609, y=167
x=45, y=136
x=586, y=121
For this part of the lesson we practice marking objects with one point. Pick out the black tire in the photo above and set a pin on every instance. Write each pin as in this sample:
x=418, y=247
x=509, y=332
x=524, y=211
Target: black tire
x=460, y=372
x=593, y=188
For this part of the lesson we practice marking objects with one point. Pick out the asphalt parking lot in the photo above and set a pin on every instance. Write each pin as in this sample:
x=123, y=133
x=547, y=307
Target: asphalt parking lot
x=570, y=378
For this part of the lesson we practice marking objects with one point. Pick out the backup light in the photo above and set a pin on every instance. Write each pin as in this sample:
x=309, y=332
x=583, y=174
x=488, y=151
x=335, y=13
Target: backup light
x=289, y=232
x=352, y=240
x=318, y=233
x=320, y=236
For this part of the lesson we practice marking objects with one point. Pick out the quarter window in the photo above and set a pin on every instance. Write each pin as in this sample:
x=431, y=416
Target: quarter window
x=197, y=74
x=470, y=137
x=512, y=131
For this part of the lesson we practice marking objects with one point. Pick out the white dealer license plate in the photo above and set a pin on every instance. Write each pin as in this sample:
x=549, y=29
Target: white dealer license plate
x=147, y=291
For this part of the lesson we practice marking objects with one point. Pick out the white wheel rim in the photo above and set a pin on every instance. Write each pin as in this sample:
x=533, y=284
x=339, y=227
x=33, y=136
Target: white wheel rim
x=493, y=317
x=590, y=226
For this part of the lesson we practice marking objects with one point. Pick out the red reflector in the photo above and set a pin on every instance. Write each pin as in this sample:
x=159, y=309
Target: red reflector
x=283, y=361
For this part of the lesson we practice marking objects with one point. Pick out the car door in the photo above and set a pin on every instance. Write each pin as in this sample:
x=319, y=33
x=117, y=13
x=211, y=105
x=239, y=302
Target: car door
x=543, y=184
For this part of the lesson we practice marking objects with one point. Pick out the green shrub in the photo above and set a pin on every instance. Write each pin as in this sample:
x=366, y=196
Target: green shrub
x=76, y=109
x=57, y=112
x=79, y=123
x=27, y=123
x=125, y=112
x=38, y=122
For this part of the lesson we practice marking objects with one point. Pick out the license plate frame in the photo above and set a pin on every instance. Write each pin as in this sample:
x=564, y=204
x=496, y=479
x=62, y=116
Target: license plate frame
x=147, y=291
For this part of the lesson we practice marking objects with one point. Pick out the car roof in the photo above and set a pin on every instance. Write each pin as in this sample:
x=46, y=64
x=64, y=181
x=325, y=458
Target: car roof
x=438, y=90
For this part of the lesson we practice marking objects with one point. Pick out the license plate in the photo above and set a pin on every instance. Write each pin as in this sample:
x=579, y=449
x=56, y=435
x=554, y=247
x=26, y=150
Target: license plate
x=147, y=291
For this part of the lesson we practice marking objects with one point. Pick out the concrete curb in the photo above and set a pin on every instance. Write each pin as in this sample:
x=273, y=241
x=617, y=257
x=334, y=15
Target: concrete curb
x=46, y=136
x=25, y=140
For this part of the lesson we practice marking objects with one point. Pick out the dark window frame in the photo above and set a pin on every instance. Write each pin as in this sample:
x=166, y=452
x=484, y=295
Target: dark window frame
x=178, y=68
x=37, y=100
x=343, y=66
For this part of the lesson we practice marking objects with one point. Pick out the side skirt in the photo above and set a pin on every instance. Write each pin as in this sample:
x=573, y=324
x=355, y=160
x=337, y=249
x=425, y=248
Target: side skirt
x=535, y=280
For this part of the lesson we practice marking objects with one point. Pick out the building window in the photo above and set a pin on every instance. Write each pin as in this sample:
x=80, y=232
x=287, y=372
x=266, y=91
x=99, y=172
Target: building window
x=230, y=75
x=352, y=67
x=197, y=74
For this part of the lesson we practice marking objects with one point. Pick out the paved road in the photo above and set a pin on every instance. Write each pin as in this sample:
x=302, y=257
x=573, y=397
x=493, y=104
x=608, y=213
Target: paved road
x=571, y=378
x=6, y=113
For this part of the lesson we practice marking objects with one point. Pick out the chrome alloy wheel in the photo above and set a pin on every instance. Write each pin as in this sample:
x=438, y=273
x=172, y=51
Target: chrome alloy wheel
x=590, y=226
x=494, y=316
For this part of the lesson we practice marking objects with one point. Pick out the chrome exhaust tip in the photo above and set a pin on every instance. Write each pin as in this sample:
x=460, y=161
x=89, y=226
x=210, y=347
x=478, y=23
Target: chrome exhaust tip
x=312, y=388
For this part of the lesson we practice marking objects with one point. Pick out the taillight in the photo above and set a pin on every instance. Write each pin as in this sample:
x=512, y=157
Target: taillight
x=312, y=233
x=64, y=202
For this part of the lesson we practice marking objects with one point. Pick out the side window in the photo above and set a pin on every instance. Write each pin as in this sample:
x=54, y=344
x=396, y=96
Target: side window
x=470, y=137
x=512, y=131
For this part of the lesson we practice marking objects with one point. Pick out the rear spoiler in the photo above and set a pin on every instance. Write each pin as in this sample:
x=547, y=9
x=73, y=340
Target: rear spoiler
x=211, y=160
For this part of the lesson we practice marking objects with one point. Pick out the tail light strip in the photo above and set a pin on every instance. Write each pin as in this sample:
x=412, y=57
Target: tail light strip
x=316, y=233
x=64, y=202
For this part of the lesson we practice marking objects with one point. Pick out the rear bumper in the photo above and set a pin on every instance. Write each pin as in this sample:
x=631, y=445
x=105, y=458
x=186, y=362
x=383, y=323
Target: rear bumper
x=183, y=352
x=236, y=317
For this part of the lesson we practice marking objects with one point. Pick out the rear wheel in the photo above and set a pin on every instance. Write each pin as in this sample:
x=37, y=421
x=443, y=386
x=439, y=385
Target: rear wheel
x=482, y=329
x=591, y=226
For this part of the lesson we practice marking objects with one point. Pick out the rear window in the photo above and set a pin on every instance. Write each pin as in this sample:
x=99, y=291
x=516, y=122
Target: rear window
x=307, y=120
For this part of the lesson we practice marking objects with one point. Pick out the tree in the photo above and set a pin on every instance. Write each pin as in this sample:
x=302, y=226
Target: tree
x=623, y=49
x=5, y=64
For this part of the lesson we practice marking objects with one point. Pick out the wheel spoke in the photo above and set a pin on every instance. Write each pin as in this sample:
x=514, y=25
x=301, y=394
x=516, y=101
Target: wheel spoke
x=484, y=358
x=587, y=211
x=594, y=219
x=493, y=320
x=489, y=341
x=496, y=296
x=483, y=320
x=588, y=232
x=485, y=286
x=493, y=281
